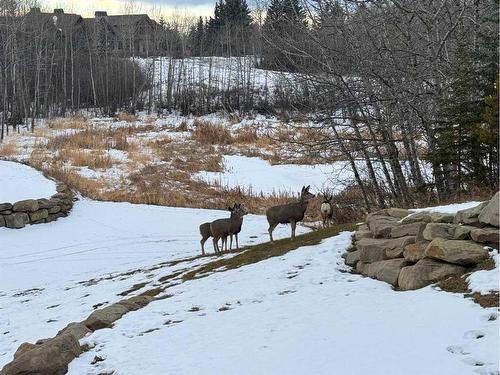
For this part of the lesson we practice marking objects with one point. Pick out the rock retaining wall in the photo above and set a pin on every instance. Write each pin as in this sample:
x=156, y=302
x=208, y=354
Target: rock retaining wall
x=412, y=250
x=36, y=211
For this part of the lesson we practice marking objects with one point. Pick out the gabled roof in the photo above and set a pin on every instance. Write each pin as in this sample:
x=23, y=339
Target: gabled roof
x=129, y=20
x=63, y=21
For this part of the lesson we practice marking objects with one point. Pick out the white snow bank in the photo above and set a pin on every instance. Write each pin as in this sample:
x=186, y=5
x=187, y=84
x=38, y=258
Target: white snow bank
x=256, y=175
x=19, y=182
x=449, y=208
x=485, y=282
x=298, y=314
x=55, y=273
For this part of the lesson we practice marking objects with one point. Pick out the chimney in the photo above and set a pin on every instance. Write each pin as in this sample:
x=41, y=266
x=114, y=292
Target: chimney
x=101, y=13
x=58, y=11
x=35, y=10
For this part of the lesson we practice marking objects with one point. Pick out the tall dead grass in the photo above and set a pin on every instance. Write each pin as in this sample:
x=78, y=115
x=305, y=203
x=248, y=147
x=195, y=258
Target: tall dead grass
x=8, y=150
x=211, y=134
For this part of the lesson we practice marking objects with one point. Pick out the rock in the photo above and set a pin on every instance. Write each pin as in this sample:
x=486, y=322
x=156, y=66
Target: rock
x=462, y=232
x=381, y=226
x=438, y=217
x=2, y=221
x=344, y=256
x=62, y=196
x=16, y=220
x=105, y=317
x=470, y=216
x=352, y=258
x=362, y=226
x=5, y=206
x=49, y=358
x=386, y=270
x=489, y=235
x=54, y=209
x=360, y=267
x=23, y=348
x=135, y=303
x=398, y=213
x=39, y=215
x=489, y=214
x=62, y=188
x=412, y=229
x=350, y=248
x=461, y=252
x=6, y=212
x=439, y=230
x=45, y=203
x=28, y=205
x=415, y=251
x=422, y=216
x=360, y=234
x=377, y=249
x=425, y=272
x=77, y=330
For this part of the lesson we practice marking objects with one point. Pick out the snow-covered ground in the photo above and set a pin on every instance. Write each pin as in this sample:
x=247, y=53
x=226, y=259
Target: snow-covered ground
x=298, y=313
x=18, y=182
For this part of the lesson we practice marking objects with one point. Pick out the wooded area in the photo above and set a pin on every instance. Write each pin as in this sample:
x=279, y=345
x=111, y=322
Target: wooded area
x=392, y=82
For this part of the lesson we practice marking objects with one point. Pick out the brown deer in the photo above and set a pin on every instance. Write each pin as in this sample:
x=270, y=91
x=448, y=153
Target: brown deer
x=326, y=210
x=236, y=229
x=222, y=228
x=289, y=213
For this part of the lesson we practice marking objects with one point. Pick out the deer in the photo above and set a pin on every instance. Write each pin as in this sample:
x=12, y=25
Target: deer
x=236, y=229
x=206, y=233
x=289, y=213
x=326, y=210
x=222, y=228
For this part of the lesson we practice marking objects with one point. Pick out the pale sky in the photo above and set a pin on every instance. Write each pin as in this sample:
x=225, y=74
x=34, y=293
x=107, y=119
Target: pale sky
x=168, y=8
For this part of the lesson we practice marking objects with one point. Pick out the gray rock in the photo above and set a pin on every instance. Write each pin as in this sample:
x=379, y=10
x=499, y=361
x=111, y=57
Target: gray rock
x=45, y=203
x=352, y=258
x=105, y=317
x=16, y=220
x=470, y=216
x=398, y=213
x=439, y=230
x=412, y=229
x=360, y=234
x=62, y=188
x=415, y=251
x=422, y=216
x=23, y=348
x=462, y=232
x=425, y=272
x=381, y=226
x=489, y=214
x=487, y=235
x=135, y=303
x=39, y=215
x=377, y=249
x=28, y=205
x=360, y=267
x=54, y=209
x=350, y=248
x=5, y=206
x=386, y=270
x=2, y=221
x=77, y=330
x=438, y=217
x=6, y=212
x=49, y=358
x=460, y=252
x=62, y=196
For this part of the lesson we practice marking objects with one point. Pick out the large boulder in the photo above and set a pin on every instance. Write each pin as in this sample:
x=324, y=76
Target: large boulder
x=50, y=358
x=415, y=251
x=421, y=216
x=5, y=207
x=77, y=330
x=489, y=214
x=425, y=272
x=398, y=213
x=465, y=253
x=360, y=234
x=462, y=232
x=2, y=221
x=45, y=203
x=412, y=229
x=105, y=317
x=39, y=215
x=439, y=230
x=487, y=235
x=28, y=205
x=381, y=226
x=352, y=258
x=470, y=216
x=377, y=249
x=16, y=220
x=386, y=270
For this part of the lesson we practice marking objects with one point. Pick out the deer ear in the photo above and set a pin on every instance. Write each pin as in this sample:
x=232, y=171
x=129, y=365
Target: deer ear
x=307, y=188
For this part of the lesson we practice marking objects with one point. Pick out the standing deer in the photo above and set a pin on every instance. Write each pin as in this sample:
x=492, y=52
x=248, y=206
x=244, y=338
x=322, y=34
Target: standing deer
x=206, y=233
x=237, y=227
x=223, y=228
x=289, y=213
x=326, y=210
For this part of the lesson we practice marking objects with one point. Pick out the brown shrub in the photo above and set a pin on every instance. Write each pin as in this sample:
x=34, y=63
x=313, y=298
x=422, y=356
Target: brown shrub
x=8, y=150
x=213, y=134
x=122, y=116
x=246, y=135
x=68, y=123
x=81, y=158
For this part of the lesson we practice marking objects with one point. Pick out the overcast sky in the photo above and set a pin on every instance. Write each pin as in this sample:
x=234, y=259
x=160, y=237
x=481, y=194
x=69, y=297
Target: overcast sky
x=153, y=7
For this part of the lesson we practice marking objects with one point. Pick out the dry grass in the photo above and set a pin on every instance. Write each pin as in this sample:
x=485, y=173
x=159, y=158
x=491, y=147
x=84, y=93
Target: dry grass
x=8, y=150
x=122, y=116
x=92, y=159
x=211, y=134
x=246, y=135
x=68, y=123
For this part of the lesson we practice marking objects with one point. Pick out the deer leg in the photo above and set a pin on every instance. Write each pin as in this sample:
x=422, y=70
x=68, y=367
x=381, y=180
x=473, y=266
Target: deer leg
x=293, y=224
x=270, y=230
x=237, y=246
x=202, y=245
x=231, y=243
x=216, y=246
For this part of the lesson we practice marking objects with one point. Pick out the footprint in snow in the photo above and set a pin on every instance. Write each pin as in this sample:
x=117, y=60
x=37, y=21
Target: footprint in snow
x=457, y=350
x=474, y=335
